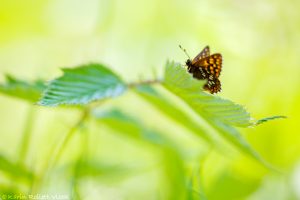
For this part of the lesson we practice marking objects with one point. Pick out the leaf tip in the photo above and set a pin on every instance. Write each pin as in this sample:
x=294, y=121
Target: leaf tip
x=266, y=119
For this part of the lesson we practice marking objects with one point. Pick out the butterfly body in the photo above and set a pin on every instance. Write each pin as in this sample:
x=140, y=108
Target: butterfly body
x=207, y=67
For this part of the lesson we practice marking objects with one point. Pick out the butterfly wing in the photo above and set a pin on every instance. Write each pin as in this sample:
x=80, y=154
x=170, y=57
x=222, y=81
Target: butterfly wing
x=204, y=53
x=213, y=86
x=207, y=67
x=211, y=64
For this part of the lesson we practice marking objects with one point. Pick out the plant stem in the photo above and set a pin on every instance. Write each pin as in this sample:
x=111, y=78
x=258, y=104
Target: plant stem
x=69, y=135
x=49, y=165
x=26, y=135
x=81, y=158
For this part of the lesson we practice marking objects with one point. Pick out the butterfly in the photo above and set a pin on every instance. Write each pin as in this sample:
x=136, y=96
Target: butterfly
x=206, y=67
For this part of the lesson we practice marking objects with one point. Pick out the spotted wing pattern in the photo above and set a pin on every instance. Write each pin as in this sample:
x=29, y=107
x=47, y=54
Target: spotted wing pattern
x=203, y=54
x=207, y=67
x=211, y=64
x=213, y=86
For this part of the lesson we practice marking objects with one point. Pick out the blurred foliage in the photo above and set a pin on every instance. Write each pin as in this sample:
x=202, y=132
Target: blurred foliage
x=92, y=82
x=152, y=142
x=22, y=89
x=15, y=170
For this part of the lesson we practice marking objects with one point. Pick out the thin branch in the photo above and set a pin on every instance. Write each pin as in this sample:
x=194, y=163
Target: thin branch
x=146, y=82
x=59, y=151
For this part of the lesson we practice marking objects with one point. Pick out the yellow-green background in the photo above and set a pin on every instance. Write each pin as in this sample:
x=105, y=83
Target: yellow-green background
x=260, y=44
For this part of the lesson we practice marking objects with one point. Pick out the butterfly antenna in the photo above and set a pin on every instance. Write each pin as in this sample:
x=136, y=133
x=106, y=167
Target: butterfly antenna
x=184, y=51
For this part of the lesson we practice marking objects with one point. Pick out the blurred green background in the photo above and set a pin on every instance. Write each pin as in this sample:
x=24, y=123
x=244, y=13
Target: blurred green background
x=260, y=44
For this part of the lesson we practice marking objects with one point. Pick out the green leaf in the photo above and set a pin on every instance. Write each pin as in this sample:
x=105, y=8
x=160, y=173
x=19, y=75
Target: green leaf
x=82, y=85
x=219, y=113
x=178, y=81
x=22, y=89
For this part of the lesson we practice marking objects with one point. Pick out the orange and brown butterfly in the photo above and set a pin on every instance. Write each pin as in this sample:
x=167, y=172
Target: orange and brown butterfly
x=206, y=67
